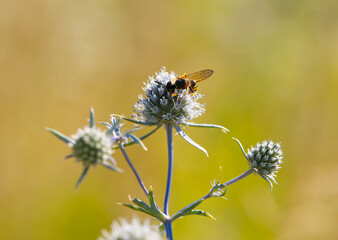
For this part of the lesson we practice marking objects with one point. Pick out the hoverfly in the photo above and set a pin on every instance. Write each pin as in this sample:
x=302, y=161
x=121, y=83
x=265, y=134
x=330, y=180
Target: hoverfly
x=187, y=81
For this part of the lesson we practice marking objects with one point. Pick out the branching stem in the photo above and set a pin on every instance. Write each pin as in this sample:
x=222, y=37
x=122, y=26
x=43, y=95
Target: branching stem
x=133, y=169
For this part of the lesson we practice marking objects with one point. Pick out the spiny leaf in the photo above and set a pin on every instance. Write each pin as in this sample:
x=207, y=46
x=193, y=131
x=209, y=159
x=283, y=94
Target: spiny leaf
x=106, y=124
x=192, y=206
x=192, y=212
x=189, y=140
x=60, y=136
x=240, y=145
x=205, y=125
x=201, y=213
x=84, y=173
x=69, y=156
x=151, y=210
x=141, y=138
x=114, y=126
x=133, y=121
x=141, y=204
x=108, y=165
x=92, y=118
x=137, y=140
x=134, y=207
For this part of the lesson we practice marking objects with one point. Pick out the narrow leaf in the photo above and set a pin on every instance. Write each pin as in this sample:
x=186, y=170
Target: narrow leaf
x=60, y=136
x=240, y=145
x=151, y=198
x=137, y=140
x=91, y=118
x=114, y=126
x=201, y=213
x=155, y=209
x=193, y=212
x=106, y=124
x=108, y=165
x=205, y=125
x=141, y=204
x=192, y=206
x=69, y=156
x=152, y=210
x=134, y=207
x=268, y=179
x=189, y=140
x=111, y=159
x=84, y=173
x=141, y=138
x=134, y=121
x=187, y=209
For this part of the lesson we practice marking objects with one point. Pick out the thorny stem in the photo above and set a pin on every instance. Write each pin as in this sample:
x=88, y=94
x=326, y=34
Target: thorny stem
x=167, y=224
x=133, y=168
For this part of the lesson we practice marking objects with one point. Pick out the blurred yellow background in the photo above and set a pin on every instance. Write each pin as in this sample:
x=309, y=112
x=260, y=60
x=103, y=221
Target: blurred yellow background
x=276, y=71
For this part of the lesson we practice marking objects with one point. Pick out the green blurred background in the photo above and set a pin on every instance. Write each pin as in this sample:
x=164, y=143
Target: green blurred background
x=276, y=71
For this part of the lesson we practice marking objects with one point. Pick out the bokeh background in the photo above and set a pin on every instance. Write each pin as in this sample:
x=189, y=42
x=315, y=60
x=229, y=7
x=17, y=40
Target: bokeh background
x=276, y=71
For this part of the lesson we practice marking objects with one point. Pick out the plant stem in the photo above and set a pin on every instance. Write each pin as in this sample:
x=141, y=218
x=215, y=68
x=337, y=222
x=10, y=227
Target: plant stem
x=243, y=175
x=133, y=168
x=168, y=230
x=167, y=224
x=209, y=195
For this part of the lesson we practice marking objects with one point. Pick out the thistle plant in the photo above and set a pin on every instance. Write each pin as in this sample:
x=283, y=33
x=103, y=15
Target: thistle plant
x=172, y=108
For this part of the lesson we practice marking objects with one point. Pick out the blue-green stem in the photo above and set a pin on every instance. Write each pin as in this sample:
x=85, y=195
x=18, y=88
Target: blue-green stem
x=209, y=195
x=133, y=169
x=168, y=230
x=167, y=224
x=243, y=175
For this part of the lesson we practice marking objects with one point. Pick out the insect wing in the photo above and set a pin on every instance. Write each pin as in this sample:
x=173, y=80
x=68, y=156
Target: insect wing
x=200, y=75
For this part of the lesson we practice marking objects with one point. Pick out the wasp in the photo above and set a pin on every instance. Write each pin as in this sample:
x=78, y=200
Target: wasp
x=187, y=81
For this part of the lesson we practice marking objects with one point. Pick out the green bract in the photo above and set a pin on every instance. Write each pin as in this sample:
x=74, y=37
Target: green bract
x=90, y=146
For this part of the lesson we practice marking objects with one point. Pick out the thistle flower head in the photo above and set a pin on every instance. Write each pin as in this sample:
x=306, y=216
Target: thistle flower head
x=90, y=145
x=135, y=230
x=265, y=158
x=159, y=107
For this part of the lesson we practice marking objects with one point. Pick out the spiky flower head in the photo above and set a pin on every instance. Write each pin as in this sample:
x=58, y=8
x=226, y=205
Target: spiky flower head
x=134, y=230
x=265, y=158
x=159, y=107
x=91, y=146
